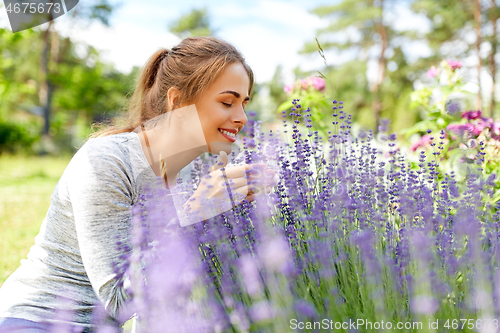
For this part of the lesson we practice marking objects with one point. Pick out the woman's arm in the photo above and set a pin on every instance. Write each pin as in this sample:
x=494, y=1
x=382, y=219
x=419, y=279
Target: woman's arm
x=101, y=194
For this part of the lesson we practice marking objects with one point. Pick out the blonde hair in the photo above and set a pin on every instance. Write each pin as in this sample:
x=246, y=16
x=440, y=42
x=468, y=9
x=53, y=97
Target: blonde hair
x=192, y=66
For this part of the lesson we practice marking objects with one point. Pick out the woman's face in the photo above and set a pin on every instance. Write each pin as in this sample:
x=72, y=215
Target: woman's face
x=222, y=108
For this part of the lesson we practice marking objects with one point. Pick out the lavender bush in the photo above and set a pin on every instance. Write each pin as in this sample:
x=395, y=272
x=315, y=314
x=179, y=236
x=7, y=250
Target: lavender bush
x=350, y=238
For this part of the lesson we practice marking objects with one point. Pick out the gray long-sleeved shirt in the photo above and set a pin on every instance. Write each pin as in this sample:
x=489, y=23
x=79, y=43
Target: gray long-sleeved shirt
x=74, y=252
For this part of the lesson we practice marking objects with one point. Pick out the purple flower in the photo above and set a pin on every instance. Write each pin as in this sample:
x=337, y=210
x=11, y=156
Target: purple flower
x=426, y=305
x=460, y=128
x=250, y=274
x=384, y=124
x=432, y=72
x=291, y=253
x=252, y=113
x=276, y=255
x=454, y=64
x=453, y=107
x=471, y=115
x=305, y=308
x=261, y=311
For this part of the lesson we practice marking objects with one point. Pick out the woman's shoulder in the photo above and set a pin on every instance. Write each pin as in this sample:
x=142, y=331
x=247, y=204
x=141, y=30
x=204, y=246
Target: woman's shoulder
x=115, y=142
x=123, y=146
x=113, y=150
x=107, y=162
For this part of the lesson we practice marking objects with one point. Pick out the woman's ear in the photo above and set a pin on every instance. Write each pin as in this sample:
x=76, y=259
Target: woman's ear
x=174, y=96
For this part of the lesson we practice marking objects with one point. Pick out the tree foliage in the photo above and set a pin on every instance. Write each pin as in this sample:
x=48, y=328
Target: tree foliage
x=362, y=28
x=382, y=70
x=194, y=23
x=53, y=53
x=85, y=89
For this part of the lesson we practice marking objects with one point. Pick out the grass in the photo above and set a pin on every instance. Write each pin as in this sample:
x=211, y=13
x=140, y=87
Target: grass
x=26, y=185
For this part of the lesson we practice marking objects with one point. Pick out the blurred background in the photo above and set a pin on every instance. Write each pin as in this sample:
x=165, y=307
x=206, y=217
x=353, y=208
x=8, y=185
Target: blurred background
x=58, y=78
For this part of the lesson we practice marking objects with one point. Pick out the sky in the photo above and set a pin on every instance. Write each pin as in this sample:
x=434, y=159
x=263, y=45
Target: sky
x=267, y=32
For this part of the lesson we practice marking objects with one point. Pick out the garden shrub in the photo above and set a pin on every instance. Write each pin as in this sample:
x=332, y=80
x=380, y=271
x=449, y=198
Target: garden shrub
x=17, y=137
x=349, y=236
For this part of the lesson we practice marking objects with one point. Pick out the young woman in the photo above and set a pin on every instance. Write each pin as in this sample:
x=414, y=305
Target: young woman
x=189, y=100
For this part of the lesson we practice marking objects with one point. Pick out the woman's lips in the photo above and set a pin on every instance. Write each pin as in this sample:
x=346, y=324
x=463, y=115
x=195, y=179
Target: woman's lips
x=227, y=137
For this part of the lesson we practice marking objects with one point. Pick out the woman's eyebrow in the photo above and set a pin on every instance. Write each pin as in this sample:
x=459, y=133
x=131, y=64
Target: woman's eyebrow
x=237, y=95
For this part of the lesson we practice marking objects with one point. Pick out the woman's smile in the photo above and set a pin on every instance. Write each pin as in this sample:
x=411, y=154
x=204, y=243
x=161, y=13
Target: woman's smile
x=229, y=134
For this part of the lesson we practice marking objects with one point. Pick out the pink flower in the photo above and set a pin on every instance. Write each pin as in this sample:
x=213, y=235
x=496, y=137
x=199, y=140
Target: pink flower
x=481, y=125
x=495, y=130
x=460, y=128
x=318, y=83
x=305, y=84
x=454, y=64
x=471, y=115
x=476, y=130
x=432, y=72
x=425, y=140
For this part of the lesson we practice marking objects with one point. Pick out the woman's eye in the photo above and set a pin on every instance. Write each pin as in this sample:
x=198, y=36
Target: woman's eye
x=228, y=105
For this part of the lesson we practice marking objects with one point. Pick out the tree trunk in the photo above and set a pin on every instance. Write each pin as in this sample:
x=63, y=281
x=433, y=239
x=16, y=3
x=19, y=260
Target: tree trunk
x=376, y=106
x=46, y=89
x=477, y=19
x=493, y=67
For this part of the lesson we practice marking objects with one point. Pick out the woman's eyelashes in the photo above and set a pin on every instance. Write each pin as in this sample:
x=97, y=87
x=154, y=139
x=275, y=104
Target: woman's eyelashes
x=229, y=105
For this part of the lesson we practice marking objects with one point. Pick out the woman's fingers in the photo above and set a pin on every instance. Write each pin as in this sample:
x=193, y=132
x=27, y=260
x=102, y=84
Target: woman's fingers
x=236, y=171
x=261, y=171
x=222, y=162
x=245, y=180
x=235, y=182
x=255, y=171
x=241, y=193
x=250, y=197
x=265, y=180
x=253, y=182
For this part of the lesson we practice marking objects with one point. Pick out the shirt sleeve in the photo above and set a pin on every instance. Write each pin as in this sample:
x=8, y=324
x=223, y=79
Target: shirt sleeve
x=101, y=194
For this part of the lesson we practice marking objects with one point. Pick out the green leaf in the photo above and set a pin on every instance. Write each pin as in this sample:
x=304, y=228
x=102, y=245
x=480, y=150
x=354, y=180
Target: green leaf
x=285, y=106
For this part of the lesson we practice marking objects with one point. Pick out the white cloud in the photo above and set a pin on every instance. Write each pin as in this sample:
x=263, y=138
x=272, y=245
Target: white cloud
x=126, y=44
x=265, y=49
x=277, y=12
x=402, y=18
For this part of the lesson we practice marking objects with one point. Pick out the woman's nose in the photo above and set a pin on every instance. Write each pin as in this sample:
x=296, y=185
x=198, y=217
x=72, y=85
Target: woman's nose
x=241, y=117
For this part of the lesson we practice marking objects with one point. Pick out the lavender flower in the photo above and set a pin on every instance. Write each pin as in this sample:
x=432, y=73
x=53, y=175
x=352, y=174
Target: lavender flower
x=346, y=232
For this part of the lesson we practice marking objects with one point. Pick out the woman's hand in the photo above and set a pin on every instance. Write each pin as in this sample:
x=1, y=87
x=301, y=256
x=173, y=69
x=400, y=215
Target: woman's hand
x=223, y=188
x=259, y=177
x=260, y=180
